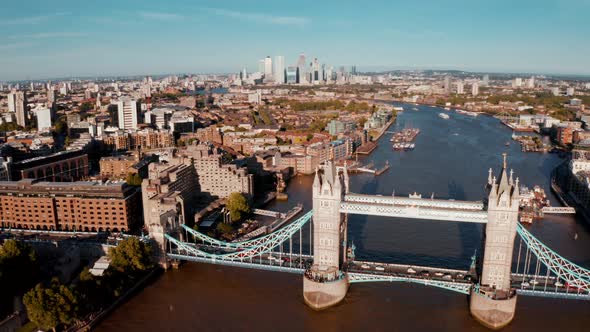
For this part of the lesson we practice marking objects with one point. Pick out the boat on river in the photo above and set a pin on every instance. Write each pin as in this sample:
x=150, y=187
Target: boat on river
x=444, y=116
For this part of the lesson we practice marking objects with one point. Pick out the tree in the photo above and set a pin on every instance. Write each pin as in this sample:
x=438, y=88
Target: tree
x=224, y=228
x=61, y=127
x=10, y=126
x=86, y=106
x=51, y=306
x=133, y=179
x=238, y=206
x=19, y=269
x=131, y=255
x=362, y=122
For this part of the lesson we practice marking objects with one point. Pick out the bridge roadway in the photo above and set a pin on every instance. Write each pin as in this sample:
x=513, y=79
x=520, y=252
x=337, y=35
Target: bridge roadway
x=365, y=271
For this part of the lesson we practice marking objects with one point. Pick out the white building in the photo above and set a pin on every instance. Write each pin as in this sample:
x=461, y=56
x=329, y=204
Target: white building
x=255, y=98
x=580, y=161
x=475, y=88
x=517, y=82
x=570, y=91
x=267, y=67
x=17, y=103
x=460, y=88
x=530, y=84
x=279, y=70
x=43, y=118
x=128, y=113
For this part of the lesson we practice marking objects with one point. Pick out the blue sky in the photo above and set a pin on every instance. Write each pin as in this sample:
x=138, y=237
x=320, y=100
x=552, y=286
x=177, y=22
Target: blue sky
x=44, y=39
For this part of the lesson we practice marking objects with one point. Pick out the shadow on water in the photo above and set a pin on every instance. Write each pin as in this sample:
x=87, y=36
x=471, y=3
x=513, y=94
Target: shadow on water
x=470, y=234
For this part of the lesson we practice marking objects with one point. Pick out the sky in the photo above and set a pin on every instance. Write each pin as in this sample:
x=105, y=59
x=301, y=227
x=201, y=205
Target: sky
x=64, y=38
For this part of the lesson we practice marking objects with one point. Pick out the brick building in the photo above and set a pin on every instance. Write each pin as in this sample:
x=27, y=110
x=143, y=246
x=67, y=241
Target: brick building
x=217, y=178
x=68, y=206
x=57, y=167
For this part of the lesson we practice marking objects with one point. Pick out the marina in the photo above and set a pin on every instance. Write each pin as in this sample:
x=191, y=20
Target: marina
x=403, y=140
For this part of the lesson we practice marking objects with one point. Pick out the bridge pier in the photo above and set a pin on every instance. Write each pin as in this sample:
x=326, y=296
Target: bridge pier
x=493, y=313
x=320, y=295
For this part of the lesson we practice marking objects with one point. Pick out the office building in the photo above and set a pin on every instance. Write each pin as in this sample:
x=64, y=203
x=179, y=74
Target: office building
x=17, y=103
x=486, y=80
x=315, y=71
x=128, y=113
x=292, y=75
x=302, y=69
x=279, y=70
x=268, y=67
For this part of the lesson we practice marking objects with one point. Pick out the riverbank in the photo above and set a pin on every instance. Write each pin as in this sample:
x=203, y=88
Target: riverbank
x=96, y=318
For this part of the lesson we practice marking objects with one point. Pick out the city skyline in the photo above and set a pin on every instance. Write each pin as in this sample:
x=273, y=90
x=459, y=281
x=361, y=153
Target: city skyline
x=136, y=38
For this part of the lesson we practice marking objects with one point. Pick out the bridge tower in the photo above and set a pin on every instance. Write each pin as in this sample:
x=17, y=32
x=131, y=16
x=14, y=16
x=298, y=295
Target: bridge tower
x=324, y=283
x=493, y=300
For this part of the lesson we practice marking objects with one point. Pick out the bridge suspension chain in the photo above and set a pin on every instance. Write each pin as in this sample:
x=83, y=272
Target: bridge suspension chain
x=572, y=273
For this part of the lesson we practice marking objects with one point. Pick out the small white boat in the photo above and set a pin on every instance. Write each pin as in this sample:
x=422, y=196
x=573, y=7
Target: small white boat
x=411, y=271
x=444, y=116
x=534, y=282
x=558, y=284
x=379, y=268
x=525, y=284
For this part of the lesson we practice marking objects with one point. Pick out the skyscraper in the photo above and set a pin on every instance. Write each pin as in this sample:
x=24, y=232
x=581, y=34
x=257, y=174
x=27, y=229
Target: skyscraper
x=486, y=80
x=261, y=66
x=315, y=70
x=267, y=67
x=302, y=69
x=17, y=103
x=279, y=70
x=292, y=75
x=475, y=88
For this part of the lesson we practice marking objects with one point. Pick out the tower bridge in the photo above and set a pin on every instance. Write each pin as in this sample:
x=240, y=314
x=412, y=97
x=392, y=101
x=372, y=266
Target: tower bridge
x=513, y=263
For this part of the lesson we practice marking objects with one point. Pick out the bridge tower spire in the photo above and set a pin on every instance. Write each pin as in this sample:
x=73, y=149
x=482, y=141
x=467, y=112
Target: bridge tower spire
x=493, y=300
x=324, y=283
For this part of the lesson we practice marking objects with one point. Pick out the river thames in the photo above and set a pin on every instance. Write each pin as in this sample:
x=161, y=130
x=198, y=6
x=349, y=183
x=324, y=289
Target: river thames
x=451, y=160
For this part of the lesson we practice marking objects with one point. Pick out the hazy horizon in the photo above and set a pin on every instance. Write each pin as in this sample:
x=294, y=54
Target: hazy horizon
x=44, y=40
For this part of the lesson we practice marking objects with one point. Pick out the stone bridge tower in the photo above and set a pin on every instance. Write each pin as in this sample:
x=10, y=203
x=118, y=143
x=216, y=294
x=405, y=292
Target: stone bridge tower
x=493, y=301
x=324, y=284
